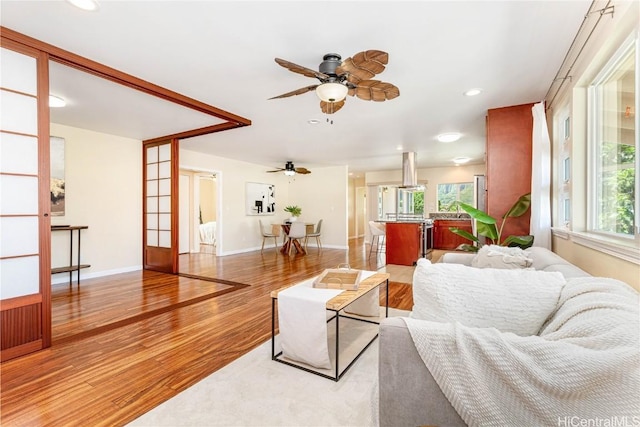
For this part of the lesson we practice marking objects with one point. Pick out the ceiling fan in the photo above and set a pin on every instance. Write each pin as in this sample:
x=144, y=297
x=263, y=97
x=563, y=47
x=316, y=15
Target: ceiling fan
x=290, y=170
x=341, y=78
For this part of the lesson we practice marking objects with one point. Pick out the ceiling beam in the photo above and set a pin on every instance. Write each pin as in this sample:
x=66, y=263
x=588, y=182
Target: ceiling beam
x=92, y=67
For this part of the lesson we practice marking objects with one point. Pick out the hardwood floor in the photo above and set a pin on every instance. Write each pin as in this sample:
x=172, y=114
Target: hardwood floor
x=125, y=343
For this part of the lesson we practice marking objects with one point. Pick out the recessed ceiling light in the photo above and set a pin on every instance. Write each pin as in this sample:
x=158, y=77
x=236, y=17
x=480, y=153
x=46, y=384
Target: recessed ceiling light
x=461, y=160
x=473, y=92
x=56, y=102
x=449, y=137
x=89, y=5
x=313, y=121
x=399, y=147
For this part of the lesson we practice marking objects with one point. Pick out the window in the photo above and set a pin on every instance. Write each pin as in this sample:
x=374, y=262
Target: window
x=448, y=194
x=395, y=202
x=614, y=144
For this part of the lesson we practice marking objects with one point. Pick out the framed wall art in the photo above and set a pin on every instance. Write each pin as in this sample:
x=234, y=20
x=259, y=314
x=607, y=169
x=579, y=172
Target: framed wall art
x=260, y=199
x=57, y=176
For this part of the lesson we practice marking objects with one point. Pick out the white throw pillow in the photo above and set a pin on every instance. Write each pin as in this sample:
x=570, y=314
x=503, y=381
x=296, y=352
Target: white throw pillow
x=495, y=256
x=517, y=301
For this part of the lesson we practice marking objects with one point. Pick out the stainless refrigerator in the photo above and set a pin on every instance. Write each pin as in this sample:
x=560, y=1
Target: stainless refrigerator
x=479, y=201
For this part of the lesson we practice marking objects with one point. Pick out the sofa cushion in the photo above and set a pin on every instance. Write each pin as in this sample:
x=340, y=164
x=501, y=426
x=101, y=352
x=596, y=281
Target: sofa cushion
x=517, y=301
x=495, y=256
x=544, y=259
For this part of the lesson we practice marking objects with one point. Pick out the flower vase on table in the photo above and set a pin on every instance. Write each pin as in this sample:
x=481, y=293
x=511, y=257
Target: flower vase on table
x=295, y=212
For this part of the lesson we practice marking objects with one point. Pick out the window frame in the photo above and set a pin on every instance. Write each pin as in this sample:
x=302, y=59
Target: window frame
x=457, y=184
x=594, y=122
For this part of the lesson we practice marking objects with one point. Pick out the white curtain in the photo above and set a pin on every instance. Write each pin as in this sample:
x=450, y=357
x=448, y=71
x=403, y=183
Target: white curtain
x=541, y=179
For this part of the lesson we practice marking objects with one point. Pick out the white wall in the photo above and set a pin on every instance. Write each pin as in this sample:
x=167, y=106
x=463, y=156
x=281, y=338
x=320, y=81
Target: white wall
x=321, y=195
x=103, y=190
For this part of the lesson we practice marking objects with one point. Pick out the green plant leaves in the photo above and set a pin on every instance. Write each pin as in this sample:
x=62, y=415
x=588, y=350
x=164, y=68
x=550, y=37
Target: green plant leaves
x=520, y=207
x=520, y=241
x=488, y=230
x=293, y=210
x=463, y=233
x=477, y=214
x=486, y=225
x=467, y=248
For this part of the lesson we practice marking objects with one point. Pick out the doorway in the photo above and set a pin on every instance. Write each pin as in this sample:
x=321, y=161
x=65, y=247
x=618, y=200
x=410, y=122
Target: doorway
x=207, y=212
x=199, y=219
x=200, y=222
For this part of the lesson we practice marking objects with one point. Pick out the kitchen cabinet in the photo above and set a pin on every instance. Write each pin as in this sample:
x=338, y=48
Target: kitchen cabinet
x=443, y=238
x=406, y=242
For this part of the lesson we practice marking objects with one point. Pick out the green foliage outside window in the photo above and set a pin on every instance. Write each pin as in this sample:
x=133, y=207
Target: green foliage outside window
x=450, y=194
x=617, y=189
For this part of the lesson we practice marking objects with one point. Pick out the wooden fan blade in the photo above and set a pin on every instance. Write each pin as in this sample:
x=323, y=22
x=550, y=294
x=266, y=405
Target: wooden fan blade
x=303, y=171
x=296, y=92
x=364, y=65
x=375, y=90
x=277, y=170
x=331, y=107
x=302, y=70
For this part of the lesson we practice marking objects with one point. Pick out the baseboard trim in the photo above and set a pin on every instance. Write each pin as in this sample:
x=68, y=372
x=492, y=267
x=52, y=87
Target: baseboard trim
x=64, y=277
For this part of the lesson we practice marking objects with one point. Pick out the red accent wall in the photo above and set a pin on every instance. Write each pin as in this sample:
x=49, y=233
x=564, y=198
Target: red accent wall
x=509, y=144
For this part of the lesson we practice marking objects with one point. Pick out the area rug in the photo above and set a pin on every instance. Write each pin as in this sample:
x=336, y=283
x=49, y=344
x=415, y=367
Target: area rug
x=256, y=391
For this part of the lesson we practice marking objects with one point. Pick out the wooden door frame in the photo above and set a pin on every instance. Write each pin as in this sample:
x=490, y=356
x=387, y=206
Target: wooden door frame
x=32, y=313
x=156, y=258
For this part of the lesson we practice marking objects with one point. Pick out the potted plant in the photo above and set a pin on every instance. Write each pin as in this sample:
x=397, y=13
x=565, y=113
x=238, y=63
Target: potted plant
x=295, y=212
x=487, y=226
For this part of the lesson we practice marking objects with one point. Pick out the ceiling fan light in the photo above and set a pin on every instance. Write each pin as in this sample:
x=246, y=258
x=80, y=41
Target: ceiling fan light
x=449, y=137
x=473, y=92
x=56, y=101
x=332, y=92
x=88, y=5
x=289, y=172
x=461, y=160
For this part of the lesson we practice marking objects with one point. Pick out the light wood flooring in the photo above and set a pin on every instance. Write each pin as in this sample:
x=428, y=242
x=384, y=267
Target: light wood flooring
x=125, y=343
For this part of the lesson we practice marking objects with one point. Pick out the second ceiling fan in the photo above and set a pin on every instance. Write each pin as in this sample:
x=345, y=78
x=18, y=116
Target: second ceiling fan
x=290, y=170
x=341, y=78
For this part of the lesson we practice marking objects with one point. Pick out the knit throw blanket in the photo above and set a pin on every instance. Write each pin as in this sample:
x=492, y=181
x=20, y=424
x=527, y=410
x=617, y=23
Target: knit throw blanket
x=584, y=364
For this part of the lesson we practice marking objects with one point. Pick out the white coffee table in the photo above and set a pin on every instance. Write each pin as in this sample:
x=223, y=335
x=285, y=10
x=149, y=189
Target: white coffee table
x=336, y=306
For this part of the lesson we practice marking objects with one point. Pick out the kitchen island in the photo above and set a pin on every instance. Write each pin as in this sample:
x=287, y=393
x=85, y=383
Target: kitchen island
x=408, y=240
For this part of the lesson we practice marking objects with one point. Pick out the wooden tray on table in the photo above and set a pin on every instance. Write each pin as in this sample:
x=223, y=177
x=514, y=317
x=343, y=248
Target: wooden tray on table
x=338, y=278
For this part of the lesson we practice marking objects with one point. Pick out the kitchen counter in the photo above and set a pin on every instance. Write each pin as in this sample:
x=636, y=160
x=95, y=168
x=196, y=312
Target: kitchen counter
x=450, y=216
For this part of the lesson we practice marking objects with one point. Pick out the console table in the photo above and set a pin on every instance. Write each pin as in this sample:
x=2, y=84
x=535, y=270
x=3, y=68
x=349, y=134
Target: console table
x=71, y=267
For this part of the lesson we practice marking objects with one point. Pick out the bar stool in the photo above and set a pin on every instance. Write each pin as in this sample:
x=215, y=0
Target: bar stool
x=378, y=230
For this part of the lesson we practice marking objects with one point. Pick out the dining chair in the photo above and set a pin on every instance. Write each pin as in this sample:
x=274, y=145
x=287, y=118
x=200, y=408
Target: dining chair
x=315, y=234
x=378, y=230
x=297, y=231
x=266, y=235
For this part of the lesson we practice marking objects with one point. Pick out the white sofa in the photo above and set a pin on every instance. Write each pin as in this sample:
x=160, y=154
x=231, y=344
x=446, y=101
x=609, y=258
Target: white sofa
x=410, y=395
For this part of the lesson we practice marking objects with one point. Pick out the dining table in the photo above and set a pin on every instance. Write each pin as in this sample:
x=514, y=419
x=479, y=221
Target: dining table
x=286, y=227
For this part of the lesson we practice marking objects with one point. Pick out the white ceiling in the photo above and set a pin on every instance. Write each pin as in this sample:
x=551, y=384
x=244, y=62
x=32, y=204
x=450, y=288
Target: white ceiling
x=222, y=53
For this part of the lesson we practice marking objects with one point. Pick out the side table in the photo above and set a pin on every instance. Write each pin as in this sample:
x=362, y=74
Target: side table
x=71, y=267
